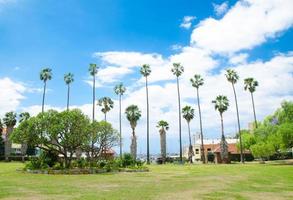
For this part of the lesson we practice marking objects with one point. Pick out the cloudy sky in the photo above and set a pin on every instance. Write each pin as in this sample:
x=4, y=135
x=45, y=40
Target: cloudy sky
x=254, y=37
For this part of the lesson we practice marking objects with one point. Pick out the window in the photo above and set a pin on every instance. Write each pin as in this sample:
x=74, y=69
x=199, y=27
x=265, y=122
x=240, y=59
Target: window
x=196, y=151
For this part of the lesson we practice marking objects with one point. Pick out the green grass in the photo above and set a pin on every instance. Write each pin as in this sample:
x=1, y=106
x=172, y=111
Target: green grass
x=235, y=181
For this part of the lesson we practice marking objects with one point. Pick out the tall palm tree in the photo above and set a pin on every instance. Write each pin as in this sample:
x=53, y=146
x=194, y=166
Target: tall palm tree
x=9, y=121
x=145, y=70
x=93, y=69
x=68, y=78
x=120, y=90
x=250, y=84
x=45, y=75
x=221, y=104
x=107, y=104
x=177, y=70
x=196, y=82
x=133, y=114
x=188, y=115
x=233, y=77
x=23, y=117
x=163, y=127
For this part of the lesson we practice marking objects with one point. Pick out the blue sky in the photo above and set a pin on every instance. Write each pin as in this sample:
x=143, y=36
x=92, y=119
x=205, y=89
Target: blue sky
x=254, y=38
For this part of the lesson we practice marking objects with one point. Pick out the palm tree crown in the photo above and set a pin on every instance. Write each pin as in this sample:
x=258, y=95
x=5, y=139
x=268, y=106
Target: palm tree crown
x=197, y=81
x=177, y=69
x=232, y=76
x=133, y=114
x=93, y=69
x=250, y=84
x=68, y=78
x=46, y=74
x=119, y=89
x=163, y=125
x=188, y=113
x=23, y=116
x=221, y=104
x=10, y=119
x=145, y=70
x=106, y=103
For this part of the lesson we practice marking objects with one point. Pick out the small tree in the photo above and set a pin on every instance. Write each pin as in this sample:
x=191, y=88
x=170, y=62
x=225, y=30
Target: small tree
x=9, y=121
x=133, y=114
x=188, y=115
x=163, y=127
x=107, y=104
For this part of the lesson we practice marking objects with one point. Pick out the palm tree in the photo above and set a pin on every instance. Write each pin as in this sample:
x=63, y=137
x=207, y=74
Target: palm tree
x=93, y=69
x=107, y=104
x=119, y=90
x=188, y=115
x=163, y=127
x=196, y=82
x=9, y=121
x=23, y=117
x=177, y=70
x=133, y=114
x=233, y=77
x=221, y=104
x=250, y=85
x=146, y=71
x=68, y=78
x=45, y=75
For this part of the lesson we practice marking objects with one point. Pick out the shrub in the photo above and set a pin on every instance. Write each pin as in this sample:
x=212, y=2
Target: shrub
x=36, y=163
x=57, y=166
x=48, y=157
x=127, y=160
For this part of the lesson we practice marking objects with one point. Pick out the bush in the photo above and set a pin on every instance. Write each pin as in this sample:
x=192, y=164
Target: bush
x=127, y=160
x=57, y=166
x=36, y=163
x=48, y=157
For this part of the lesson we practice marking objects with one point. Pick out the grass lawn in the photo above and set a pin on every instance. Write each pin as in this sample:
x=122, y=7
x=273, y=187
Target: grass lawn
x=235, y=181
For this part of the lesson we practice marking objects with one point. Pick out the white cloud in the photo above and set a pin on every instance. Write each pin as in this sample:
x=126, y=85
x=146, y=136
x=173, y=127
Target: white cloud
x=11, y=95
x=247, y=24
x=221, y=9
x=187, y=22
x=238, y=58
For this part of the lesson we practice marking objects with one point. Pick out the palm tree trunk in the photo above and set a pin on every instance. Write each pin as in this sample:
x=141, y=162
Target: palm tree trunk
x=133, y=147
x=68, y=91
x=8, y=143
x=94, y=96
x=179, y=119
x=105, y=117
x=239, y=130
x=201, y=133
x=223, y=143
x=252, y=99
x=148, y=121
x=44, y=93
x=120, y=129
x=190, y=149
x=163, y=144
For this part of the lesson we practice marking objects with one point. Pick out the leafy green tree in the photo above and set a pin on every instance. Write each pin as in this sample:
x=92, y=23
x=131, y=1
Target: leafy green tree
x=262, y=150
x=23, y=117
x=285, y=113
x=233, y=77
x=221, y=104
x=248, y=139
x=250, y=84
x=104, y=138
x=163, y=127
x=188, y=115
x=61, y=133
x=107, y=104
x=145, y=70
x=286, y=133
x=45, y=75
x=68, y=79
x=93, y=70
x=133, y=114
x=9, y=121
x=196, y=82
x=120, y=90
x=177, y=70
